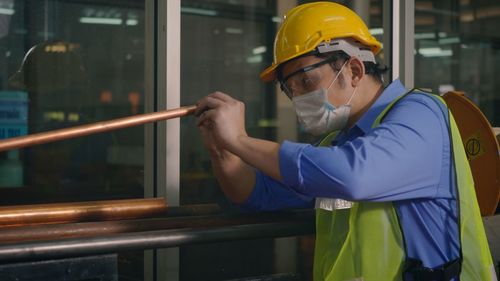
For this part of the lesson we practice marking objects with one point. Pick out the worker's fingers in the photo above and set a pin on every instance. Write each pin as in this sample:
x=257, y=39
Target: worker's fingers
x=205, y=128
x=206, y=118
x=207, y=103
x=222, y=96
x=207, y=137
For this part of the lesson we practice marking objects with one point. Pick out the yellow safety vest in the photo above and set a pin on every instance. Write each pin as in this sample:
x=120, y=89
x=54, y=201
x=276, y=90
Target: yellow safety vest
x=365, y=242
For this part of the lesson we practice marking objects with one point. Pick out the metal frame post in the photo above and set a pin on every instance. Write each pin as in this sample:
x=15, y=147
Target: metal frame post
x=168, y=133
x=403, y=41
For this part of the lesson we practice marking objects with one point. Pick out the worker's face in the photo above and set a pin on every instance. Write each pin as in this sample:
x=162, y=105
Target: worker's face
x=309, y=73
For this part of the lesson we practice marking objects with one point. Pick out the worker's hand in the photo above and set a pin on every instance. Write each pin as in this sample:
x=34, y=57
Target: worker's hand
x=209, y=140
x=221, y=118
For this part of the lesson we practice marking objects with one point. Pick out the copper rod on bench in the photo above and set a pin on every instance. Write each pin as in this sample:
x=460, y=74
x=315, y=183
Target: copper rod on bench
x=81, y=211
x=94, y=128
x=102, y=228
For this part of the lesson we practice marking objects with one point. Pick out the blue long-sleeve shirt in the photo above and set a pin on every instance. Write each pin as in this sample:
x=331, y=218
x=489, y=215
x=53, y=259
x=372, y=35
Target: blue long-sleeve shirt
x=406, y=159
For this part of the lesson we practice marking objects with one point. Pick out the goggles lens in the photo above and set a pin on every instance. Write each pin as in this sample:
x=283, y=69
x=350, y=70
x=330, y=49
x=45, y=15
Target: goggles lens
x=304, y=80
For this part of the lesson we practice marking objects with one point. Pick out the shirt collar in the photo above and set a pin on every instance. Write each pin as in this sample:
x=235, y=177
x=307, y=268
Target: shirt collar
x=391, y=92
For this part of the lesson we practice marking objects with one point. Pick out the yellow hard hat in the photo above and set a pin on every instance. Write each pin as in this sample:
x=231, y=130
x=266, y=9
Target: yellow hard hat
x=307, y=25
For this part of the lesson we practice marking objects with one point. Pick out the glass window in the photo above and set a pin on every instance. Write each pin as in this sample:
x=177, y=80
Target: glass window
x=65, y=63
x=224, y=47
x=225, y=44
x=456, y=48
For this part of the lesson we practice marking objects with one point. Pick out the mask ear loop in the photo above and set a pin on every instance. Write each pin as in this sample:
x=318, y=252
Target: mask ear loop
x=337, y=76
x=329, y=105
x=352, y=96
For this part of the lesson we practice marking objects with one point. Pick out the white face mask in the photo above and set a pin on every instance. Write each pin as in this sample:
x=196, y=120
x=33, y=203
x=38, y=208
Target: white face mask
x=317, y=115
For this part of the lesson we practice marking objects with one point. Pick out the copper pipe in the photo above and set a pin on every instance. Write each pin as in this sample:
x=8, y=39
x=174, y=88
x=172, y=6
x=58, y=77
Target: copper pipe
x=93, y=229
x=81, y=211
x=94, y=128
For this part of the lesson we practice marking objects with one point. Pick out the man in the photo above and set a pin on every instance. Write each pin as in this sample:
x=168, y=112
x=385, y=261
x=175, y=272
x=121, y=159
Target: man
x=390, y=182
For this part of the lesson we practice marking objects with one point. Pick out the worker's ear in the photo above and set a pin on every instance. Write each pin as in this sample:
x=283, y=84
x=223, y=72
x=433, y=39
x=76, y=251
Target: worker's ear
x=357, y=69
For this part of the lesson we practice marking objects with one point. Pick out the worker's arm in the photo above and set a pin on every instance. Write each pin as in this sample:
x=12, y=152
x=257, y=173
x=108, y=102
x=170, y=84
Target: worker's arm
x=262, y=154
x=402, y=158
x=250, y=188
x=242, y=183
x=235, y=177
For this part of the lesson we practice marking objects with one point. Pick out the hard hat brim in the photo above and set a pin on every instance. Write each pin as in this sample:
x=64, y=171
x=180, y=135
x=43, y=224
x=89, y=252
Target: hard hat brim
x=269, y=74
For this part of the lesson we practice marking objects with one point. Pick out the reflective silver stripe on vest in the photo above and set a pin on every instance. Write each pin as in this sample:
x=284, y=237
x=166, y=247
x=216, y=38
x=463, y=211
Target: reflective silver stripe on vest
x=493, y=273
x=331, y=204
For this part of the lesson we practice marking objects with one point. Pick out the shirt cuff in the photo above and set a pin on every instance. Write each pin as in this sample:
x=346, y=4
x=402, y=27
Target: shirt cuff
x=290, y=153
x=253, y=202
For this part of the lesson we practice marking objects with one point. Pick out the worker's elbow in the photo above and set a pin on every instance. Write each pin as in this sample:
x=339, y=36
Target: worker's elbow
x=236, y=196
x=354, y=189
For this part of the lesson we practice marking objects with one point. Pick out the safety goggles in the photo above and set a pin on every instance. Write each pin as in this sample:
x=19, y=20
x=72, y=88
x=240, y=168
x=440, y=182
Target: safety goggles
x=304, y=80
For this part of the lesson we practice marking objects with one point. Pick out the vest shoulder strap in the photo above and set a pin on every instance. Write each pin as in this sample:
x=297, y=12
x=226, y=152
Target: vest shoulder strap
x=415, y=267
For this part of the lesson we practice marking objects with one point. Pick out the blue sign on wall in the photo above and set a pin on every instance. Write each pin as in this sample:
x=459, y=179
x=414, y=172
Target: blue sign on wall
x=13, y=114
